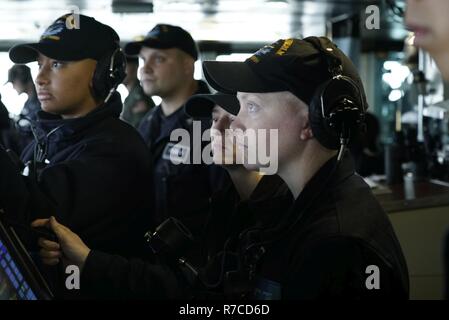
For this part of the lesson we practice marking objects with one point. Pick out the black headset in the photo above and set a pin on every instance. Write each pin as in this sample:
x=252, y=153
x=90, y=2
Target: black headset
x=337, y=109
x=109, y=73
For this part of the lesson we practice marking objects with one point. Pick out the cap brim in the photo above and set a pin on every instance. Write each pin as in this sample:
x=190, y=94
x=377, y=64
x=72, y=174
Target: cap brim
x=133, y=48
x=28, y=52
x=231, y=77
x=201, y=105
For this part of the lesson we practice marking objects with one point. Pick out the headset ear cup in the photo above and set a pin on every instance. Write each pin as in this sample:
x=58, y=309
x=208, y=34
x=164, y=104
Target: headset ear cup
x=337, y=109
x=104, y=79
x=320, y=128
x=119, y=68
x=343, y=110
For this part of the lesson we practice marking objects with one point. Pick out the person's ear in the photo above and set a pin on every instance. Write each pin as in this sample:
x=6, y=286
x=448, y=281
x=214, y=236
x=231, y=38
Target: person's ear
x=306, y=130
x=188, y=64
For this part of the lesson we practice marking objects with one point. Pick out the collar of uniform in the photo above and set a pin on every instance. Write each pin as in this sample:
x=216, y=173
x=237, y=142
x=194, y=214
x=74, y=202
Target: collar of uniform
x=177, y=114
x=327, y=177
x=70, y=127
x=270, y=200
x=182, y=119
x=320, y=184
x=268, y=187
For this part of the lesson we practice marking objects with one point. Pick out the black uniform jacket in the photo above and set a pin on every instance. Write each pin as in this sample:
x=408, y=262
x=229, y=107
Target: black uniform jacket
x=334, y=242
x=93, y=177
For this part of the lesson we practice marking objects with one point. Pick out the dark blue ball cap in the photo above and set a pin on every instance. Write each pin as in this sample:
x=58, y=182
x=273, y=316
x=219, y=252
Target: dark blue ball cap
x=200, y=105
x=296, y=65
x=165, y=36
x=71, y=37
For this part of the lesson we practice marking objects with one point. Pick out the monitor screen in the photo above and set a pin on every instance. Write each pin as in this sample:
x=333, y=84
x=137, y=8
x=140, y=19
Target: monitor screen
x=19, y=277
x=13, y=285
